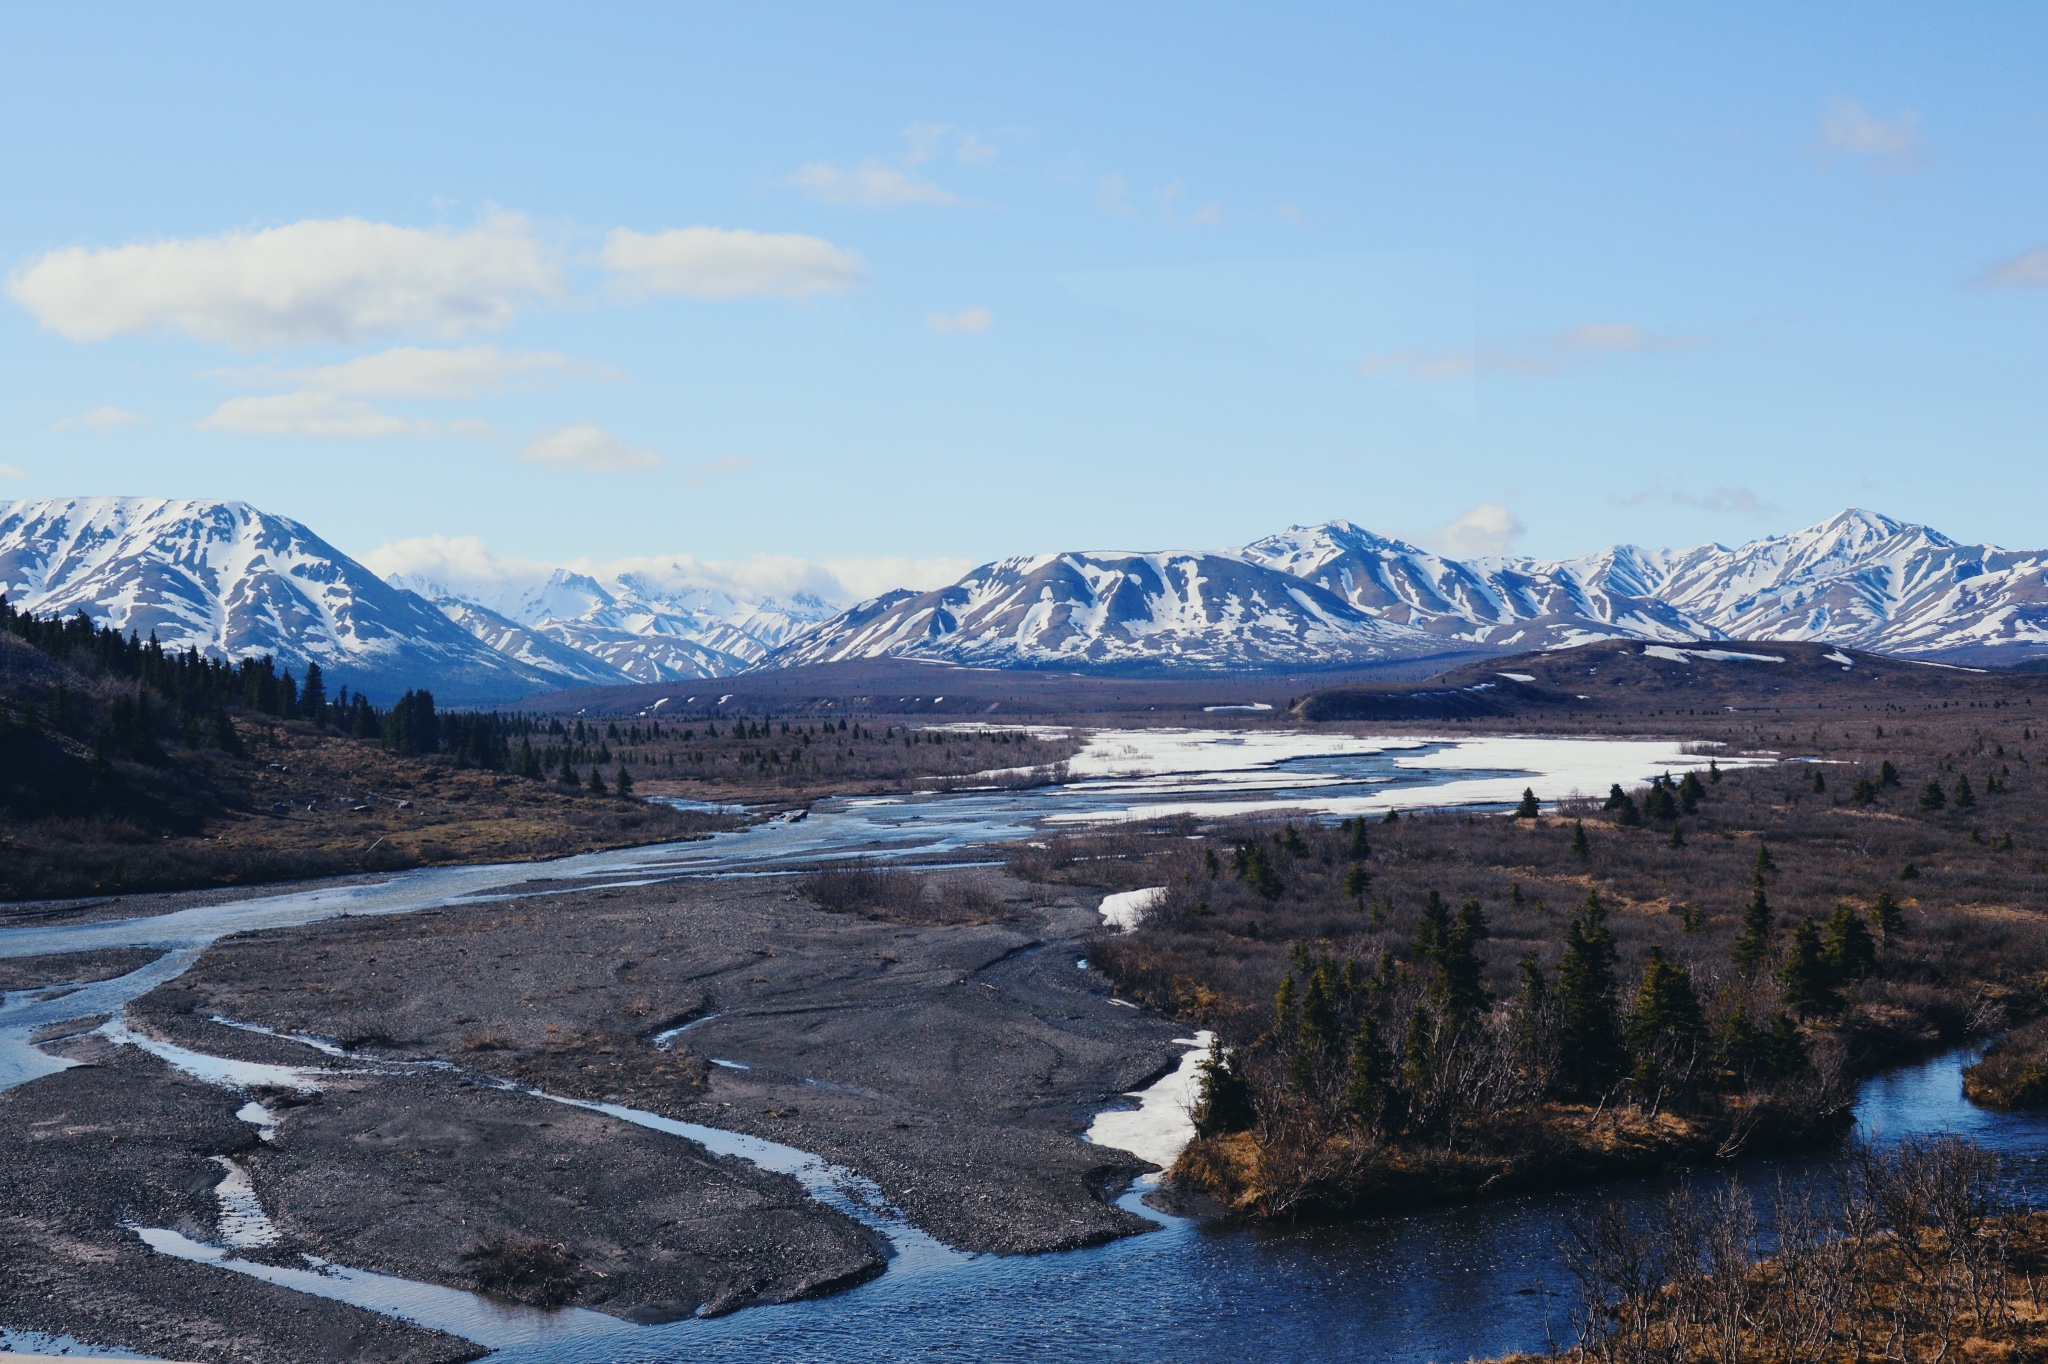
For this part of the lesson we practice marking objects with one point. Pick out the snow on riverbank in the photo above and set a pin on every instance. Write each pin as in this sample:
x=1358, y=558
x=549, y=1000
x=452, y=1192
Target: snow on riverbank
x=1554, y=768
x=1163, y=1122
x=1123, y=910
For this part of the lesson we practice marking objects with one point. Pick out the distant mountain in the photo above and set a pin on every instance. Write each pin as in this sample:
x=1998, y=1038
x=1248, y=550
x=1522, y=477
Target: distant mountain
x=640, y=628
x=1858, y=579
x=233, y=581
x=1113, y=610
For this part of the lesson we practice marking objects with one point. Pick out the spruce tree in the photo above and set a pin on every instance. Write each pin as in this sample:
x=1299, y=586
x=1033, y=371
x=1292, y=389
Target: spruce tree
x=624, y=785
x=1965, y=797
x=596, y=784
x=1361, y=850
x=313, y=695
x=1580, y=848
x=1529, y=808
x=1677, y=839
x=1886, y=914
x=1850, y=951
x=1764, y=863
x=1356, y=883
x=1365, y=1097
x=1933, y=798
x=1589, y=1042
x=1753, y=943
x=1808, y=982
x=1223, y=1101
x=1666, y=1027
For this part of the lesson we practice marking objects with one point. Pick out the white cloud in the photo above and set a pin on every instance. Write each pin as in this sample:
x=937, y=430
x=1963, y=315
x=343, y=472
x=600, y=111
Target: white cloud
x=1849, y=129
x=1535, y=357
x=2028, y=270
x=1485, y=530
x=973, y=319
x=929, y=139
x=731, y=464
x=871, y=184
x=465, y=565
x=325, y=414
x=589, y=448
x=417, y=372
x=711, y=262
x=101, y=419
x=1291, y=212
x=1112, y=196
x=319, y=280
x=16, y=471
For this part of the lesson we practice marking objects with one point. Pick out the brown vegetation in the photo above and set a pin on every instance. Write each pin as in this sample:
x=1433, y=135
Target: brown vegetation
x=1458, y=1004
x=1912, y=1256
x=2013, y=1072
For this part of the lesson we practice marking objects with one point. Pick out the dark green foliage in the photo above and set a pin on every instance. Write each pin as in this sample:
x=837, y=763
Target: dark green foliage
x=1677, y=839
x=1451, y=946
x=1255, y=869
x=1753, y=943
x=1850, y=950
x=1964, y=797
x=1909, y=872
x=1764, y=865
x=1820, y=783
x=1865, y=791
x=1660, y=802
x=1691, y=791
x=410, y=726
x=596, y=783
x=1809, y=984
x=1365, y=1096
x=1224, y=1101
x=1887, y=775
x=1361, y=850
x=1664, y=1034
x=1887, y=916
x=1357, y=882
x=1528, y=809
x=623, y=784
x=1588, y=1031
x=1933, y=798
x=1580, y=848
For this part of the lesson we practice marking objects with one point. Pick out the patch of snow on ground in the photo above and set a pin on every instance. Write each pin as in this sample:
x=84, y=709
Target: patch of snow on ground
x=1256, y=705
x=1554, y=768
x=1123, y=910
x=1669, y=654
x=1163, y=1122
x=1516, y=677
x=1839, y=657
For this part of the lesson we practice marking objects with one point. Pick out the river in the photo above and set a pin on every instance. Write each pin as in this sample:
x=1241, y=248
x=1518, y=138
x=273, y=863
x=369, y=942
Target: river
x=1451, y=1284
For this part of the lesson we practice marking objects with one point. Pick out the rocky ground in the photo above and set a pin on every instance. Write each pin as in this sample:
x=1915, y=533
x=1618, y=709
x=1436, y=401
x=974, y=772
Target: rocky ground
x=954, y=1065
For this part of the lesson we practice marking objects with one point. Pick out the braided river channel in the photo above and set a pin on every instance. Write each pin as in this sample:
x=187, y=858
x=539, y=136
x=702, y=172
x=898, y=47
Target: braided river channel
x=1452, y=1284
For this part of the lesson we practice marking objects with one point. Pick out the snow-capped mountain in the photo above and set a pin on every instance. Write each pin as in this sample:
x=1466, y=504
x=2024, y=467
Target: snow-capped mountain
x=1858, y=579
x=1130, y=610
x=640, y=628
x=233, y=581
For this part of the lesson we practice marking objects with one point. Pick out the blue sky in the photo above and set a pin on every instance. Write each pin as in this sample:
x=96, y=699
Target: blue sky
x=887, y=290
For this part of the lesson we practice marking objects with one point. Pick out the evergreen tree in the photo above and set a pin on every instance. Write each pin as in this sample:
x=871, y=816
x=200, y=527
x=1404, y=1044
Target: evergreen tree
x=624, y=785
x=1284, y=1008
x=1691, y=791
x=1887, y=775
x=1887, y=916
x=1257, y=871
x=1850, y=951
x=1764, y=864
x=596, y=783
x=1589, y=1042
x=1677, y=837
x=1933, y=798
x=1223, y=1102
x=1529, y=808
x=1316, y=1035
x=1457, y=989
x=222, y=734
x=313, y=695
x=1356, y=883
x=1820, y=784
x=1965, y=797
x=1616, y=797
x=1361, y=850
x=1532, y=1017
x=1365, y=1097
x=1666, y=1028
x=1432, y=926
x=1713, y=772
x=1808, y=982
x=1753, y=943
x=1580, y=848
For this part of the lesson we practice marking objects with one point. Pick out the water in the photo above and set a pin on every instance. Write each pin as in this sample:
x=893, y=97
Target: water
x=1445, y=1285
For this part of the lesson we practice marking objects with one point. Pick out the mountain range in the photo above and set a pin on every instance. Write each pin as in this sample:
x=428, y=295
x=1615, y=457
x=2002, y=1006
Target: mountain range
x=231, y=580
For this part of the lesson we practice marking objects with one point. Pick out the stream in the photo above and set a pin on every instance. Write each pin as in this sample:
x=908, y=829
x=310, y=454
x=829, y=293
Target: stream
x=1457, y=1283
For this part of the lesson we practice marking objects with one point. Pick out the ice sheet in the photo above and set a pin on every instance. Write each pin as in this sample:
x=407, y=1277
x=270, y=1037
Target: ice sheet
x=1163, y=1122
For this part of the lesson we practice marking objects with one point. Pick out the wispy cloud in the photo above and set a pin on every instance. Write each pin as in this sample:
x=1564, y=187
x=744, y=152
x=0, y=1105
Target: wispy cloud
x=871, y=184
x=417, y=372
x=1535, y=357
x=1480, y=532
x=712, y=262
x=326, y=414
x=1728, y=501
x=2028, y=270
x=318, y=280
x=589, y=448
x=16, y=471
x=972, y=320
x=100, y=419
x=718, y=468
x=1848, y=129
x=930, y=140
